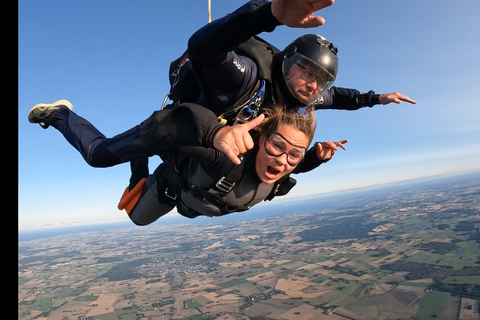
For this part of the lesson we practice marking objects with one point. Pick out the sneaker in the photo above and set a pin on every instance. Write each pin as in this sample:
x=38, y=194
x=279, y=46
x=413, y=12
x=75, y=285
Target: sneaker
x=42, y=111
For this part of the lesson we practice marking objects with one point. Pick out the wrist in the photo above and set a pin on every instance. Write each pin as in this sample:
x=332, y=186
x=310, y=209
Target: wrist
x=367, y=99
x=264, y=14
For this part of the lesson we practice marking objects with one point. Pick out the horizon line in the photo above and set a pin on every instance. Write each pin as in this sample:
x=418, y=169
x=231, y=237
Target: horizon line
x=295, y=198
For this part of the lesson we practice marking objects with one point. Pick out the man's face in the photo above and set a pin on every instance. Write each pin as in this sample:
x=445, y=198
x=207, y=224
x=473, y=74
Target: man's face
x=305, y=79
x=286, y=148
x=304, y=82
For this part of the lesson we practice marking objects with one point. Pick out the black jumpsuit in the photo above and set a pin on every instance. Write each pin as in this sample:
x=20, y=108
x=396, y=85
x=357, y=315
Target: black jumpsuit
x=169, y=133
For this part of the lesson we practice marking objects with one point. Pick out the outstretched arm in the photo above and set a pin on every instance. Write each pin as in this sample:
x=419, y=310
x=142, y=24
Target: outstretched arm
x=350, y=99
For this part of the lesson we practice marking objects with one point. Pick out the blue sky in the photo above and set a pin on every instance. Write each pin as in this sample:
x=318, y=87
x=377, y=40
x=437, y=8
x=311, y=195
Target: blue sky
x=111, y=58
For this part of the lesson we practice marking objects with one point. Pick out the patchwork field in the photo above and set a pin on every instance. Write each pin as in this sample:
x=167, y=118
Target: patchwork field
x=408, y=254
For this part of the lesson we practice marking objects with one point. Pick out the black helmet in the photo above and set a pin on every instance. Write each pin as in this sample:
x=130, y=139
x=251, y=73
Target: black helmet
x=316, y=59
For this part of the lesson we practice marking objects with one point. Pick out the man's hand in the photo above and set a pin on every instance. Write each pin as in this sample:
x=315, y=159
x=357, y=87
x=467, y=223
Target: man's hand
x=299, y=13
x=386, y=98
x=326, y=150
x=236, y=140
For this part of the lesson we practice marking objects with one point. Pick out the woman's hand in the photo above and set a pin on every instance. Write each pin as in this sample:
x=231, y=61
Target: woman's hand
x=235, y=140
x=326, y=150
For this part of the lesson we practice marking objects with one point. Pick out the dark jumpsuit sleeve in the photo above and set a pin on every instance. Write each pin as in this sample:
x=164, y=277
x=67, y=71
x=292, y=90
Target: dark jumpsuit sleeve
x=224, y=75
x=346, y=99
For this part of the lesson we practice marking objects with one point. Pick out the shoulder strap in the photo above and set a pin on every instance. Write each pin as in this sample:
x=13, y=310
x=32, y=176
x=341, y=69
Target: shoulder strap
x=282, y=187
x=226, y=183
x=261, y=52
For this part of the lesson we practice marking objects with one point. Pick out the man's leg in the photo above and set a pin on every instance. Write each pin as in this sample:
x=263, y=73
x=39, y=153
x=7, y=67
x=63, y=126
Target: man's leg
x=95, y=148
x=140, y=171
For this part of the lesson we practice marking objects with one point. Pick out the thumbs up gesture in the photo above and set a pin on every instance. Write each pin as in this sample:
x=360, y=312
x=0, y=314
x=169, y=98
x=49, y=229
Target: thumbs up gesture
x=235, y=140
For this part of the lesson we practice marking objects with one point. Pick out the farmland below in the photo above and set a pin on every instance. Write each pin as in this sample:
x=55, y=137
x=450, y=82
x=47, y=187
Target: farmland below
x=411, y=252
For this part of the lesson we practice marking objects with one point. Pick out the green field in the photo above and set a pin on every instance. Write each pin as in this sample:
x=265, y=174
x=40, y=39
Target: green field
x=462, y=280
x=438, y=306
x=232, y=283
x=192, y=303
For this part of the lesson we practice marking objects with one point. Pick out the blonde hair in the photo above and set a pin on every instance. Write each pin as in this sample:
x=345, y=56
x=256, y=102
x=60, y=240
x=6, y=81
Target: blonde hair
x=279, y=116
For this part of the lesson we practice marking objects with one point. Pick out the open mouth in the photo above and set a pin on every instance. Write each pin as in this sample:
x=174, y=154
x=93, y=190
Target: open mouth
x=271, y=172
x=303, y=95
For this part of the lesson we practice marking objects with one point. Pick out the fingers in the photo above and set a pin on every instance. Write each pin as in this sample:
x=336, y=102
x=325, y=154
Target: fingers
x=386, y=98
x=326, y=150
x=314, y=22
x=329, y=145
x=224, y=141
x=341, y=144
x=319, y=148
x=244, y=140
x=406, y=99
x=332, y=145
x=299, y=13
x=231, y=154
x=236, y=140
x=320, y=4
x=254, y=123
x=398, y=98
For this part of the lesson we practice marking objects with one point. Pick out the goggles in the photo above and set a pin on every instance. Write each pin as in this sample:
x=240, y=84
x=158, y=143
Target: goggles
x=276, y=145
x=309, y=76
x=310, y=72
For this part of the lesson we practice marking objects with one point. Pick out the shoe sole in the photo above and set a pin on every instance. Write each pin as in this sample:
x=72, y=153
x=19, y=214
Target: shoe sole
x=58, y=104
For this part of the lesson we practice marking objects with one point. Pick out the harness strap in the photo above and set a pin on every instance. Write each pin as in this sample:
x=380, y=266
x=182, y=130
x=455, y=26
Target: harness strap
x=219, y=188
x=247, y=107
x=168, y=191
x=171, y=191
x=226, y=183
x=282, y=187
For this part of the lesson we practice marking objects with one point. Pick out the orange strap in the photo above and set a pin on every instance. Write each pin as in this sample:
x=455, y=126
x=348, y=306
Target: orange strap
x=129, y=198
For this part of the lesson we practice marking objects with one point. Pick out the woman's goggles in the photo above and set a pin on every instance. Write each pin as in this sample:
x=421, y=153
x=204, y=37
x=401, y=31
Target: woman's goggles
x=276, y=145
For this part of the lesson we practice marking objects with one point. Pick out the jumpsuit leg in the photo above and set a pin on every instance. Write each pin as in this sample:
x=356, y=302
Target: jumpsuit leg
x=148, y=207
x=140, y=170
x=97, y=150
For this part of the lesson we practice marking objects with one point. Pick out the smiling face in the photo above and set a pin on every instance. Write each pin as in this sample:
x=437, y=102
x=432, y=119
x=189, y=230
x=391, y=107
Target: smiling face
x=271, y=168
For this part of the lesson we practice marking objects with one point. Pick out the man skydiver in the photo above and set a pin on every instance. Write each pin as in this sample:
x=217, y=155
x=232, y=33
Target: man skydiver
x=128, y=146
x=297, y=76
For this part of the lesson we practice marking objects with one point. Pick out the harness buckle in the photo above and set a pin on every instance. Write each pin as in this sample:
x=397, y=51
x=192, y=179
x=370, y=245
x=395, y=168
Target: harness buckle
x=249, y=109
x=224, y=186
x=171, y=195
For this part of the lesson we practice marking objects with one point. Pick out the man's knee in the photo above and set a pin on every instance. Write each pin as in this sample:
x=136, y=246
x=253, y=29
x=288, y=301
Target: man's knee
x=102, y=159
